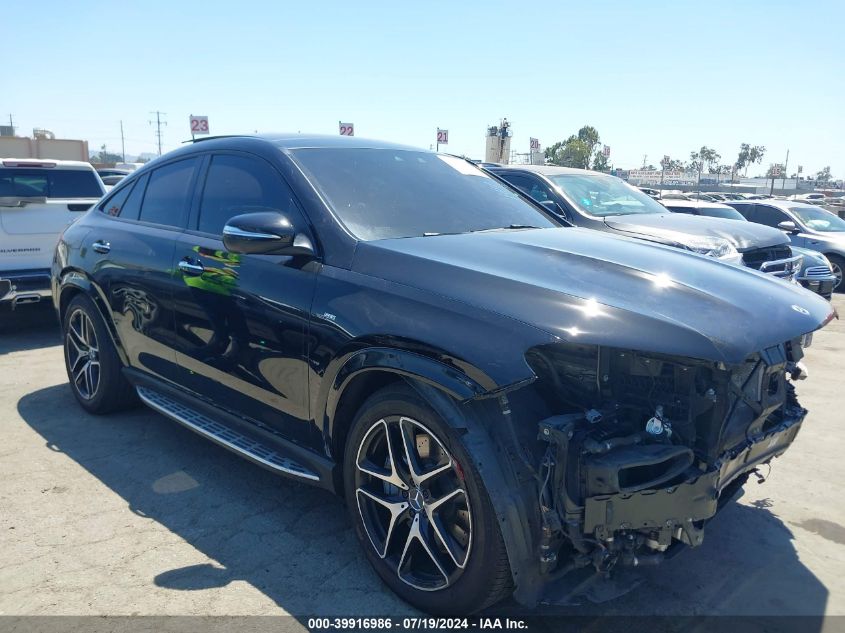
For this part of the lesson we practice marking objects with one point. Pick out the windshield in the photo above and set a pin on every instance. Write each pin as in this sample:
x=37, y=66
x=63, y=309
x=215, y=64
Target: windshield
x=388, y=193
x=819, y=219
x=601, y=195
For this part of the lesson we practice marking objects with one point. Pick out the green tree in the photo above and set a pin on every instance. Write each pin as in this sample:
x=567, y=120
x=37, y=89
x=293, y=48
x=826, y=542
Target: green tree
x=576, y=151
x=676, y=165
x=824, y=175
x=589, y=136
x=704, y=157
x=104, y=156
x=600, y=162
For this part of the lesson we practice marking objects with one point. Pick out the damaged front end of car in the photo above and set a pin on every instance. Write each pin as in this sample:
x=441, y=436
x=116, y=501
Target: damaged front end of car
x=643, y=449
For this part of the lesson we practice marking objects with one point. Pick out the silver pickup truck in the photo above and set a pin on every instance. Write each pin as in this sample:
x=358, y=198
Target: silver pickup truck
x=38, y=199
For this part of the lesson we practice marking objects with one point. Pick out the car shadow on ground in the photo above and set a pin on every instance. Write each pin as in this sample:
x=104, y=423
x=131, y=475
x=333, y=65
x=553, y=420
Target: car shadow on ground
x=294, y=542
x=28, y=327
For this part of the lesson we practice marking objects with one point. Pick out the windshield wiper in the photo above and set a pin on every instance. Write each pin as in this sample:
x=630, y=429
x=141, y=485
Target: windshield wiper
x=495, y=228
x=507, y=228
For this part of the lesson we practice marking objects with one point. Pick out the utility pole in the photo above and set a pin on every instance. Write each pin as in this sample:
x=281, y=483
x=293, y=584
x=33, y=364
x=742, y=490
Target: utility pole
x=122, y=146
x=785, y=165
x=11, y=124
x=158, y=124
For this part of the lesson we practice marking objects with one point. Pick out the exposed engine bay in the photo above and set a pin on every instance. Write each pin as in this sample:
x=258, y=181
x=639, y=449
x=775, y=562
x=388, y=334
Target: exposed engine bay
x=651, y=447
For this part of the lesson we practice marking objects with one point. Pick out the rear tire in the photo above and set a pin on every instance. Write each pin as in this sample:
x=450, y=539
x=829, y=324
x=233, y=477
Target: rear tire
x=429, y=531
x=92, y=364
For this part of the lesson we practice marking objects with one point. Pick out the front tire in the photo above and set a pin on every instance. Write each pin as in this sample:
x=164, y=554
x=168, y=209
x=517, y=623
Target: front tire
x=838, y=264
x=92, y=364
x=420, y=509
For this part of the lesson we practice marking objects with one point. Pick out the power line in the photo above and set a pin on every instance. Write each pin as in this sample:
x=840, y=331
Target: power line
x=158, y=124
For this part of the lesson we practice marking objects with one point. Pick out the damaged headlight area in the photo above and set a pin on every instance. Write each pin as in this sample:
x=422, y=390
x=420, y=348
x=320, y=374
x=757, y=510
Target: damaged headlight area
x=644, y=448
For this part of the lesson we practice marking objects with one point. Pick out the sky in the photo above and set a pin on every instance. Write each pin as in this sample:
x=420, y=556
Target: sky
x=654, y=78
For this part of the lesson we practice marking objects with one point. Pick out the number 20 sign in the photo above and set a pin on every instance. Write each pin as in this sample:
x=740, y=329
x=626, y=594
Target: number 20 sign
x=199, y=124
x=347, y=129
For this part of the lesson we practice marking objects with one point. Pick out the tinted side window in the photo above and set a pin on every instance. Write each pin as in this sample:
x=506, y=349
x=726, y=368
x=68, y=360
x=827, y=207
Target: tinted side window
x=114, y=204
x=168, y=193
x=520, y=182
x=132, y=207
x=770, y=216
x=687, y=210
x=744, y=209
x=237, y=184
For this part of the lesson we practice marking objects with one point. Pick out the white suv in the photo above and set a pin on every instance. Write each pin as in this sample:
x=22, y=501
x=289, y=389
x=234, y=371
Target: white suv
x=38, y=199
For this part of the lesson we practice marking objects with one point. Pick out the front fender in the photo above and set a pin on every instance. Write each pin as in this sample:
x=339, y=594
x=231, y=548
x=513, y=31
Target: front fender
x=397, y=361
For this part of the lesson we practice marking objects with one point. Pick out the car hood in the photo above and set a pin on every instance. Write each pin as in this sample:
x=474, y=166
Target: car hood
x=743, y=235
x=586, y=286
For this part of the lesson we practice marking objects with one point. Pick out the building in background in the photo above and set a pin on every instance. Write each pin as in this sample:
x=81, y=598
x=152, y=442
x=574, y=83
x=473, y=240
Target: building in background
x=43, y=144
x=497, y=148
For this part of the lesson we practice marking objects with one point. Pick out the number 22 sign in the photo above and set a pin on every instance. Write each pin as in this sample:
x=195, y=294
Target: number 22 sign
x=199, y=124
x=347, y=129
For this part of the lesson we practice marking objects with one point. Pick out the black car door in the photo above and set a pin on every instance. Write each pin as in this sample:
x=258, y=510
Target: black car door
x=132, y=245
x=242, y=320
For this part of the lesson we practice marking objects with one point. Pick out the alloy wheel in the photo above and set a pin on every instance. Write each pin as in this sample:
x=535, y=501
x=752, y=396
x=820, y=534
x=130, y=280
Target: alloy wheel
x=83, y=354
x=413, y=503
x=837, y=272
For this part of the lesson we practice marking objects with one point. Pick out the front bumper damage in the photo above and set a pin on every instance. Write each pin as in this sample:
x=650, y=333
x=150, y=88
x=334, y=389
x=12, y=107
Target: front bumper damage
x=677, y=511
x=659, y=446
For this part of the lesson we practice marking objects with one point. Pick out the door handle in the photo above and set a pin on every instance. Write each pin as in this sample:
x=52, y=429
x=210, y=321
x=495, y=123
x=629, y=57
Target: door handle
x=190, y=268
x=101, y=247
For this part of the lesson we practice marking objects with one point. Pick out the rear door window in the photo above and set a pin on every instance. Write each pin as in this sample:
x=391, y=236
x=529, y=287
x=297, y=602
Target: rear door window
x=168, y=195
x=770, y=216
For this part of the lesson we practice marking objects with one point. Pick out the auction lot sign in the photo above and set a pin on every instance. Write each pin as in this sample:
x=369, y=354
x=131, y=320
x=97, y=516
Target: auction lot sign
x=653, y=176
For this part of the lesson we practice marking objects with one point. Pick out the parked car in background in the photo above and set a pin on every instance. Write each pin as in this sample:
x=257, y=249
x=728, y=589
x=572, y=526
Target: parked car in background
x=496, y=395
x=112, y=176
x=674, y=195
x=38, y=199
x=807, y=225
x=651, y=193
x=606, y=203
x=699, y=195
x=129, y=166
x=703, y=208
x=815, y=273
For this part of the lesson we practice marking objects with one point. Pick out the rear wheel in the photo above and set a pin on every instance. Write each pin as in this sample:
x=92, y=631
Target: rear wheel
x=420, y=509
x=838, y=264
x=93, y=366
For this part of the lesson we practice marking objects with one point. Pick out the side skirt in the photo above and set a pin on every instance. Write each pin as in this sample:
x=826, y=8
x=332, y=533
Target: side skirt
x=246, y=438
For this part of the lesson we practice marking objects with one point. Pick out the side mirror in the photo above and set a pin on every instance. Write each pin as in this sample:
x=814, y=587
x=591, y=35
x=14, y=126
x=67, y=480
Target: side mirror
x=788, y=226
x=265, y=233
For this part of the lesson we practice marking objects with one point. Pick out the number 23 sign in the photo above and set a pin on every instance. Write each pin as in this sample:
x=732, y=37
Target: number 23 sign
x=199, y=124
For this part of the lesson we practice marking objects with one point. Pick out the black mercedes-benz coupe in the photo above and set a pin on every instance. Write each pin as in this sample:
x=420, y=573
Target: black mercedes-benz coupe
x=505, y=402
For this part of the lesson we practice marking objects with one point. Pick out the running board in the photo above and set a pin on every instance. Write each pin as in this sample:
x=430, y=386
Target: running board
x=223, y=435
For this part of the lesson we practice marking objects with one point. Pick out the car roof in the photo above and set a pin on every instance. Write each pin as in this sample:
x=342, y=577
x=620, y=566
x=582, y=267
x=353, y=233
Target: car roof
x=697, y=204
x=781, y=204
x=549, y=170
x=300, y=141
x=48, y=163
